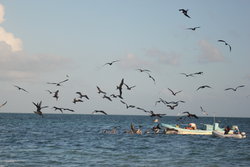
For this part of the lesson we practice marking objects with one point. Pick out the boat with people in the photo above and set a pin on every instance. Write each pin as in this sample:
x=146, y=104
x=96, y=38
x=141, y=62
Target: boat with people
x=192, y=129
x=236, y=133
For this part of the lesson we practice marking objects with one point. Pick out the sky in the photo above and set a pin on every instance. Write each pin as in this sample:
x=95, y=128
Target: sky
x=50, y=41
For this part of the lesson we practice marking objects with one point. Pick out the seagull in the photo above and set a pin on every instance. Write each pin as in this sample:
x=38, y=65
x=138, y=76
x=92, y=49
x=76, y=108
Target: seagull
x=81, y=95
x=203, y=111
x=56, y=94
x=184, y=11
x=19, y=88
x=100, y=91
x=3, y=104
x=107, y=97
x=174, y=93
x=193, y=28
x=190, y=115
x=202, y=87
x=143, y=70
x=129, y=88
x=120, y=88
x=188, y=75
x=58, y=83
x=99, y=111
x=76, y=100
x=172, y=106
x=39, y=107
x=127, y=106
x=234, y=89
x=110, y=63
x=225, y=44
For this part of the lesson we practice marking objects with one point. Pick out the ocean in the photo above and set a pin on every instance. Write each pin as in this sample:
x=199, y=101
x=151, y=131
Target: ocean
x=70, y=140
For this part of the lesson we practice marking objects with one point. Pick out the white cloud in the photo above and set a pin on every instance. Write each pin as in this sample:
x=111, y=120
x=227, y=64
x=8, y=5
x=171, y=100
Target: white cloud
x=1, y=13
x=209, y=53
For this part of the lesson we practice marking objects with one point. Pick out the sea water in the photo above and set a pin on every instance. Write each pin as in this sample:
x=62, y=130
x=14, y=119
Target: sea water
x=78, y=140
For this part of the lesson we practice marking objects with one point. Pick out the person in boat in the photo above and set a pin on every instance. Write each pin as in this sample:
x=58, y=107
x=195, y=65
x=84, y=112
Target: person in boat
x=236, y=130
x=227, y=129
x=156, y=128
x=191, y=126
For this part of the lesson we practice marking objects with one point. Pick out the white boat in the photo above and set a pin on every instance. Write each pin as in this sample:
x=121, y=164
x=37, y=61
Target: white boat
x=241, y=135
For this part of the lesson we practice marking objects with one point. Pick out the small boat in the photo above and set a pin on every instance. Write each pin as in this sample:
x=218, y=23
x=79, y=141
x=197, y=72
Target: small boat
x=240, y=135
x=192, y=129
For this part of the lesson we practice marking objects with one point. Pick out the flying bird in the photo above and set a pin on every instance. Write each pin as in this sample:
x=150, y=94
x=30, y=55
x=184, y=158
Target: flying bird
x=68, y=109
x=185, y=11
x=127, y=106
x=75, y=100
x=230, y=48
x=99, y=111
x=190, y=115
x=107, y=97
x=234, y=89
x=174, y=93
x=110, y=63
x=193, y=28
x=203, y=86
x=39, y=107
x=198, y=73
x=81, y=95
x=129, y=87
x=120, y=88
x=19, y=88
x=56, y=94
x=143, y=70
x=3, y=104
x=58, y=108
x=203, y=111
x=151, y=77
x=188, y=75
x=58, y=83
x=155, y=115
x=172, y=106
x=100, y=91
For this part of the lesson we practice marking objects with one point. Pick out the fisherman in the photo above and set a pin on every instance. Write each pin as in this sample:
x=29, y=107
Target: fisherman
x=236, y=130
x=227, y=129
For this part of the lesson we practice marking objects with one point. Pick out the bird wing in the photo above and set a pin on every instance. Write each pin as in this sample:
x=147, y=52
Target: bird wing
x=63, y=81
x=240, y=86
x=3, y=104
x=230, y=89
x=171, y=91
x=220, y=40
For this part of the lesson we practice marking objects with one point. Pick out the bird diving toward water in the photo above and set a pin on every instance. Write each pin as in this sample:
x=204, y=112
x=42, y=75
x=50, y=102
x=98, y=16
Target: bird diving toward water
x=193, y=28
x=190, y=115
x=174, y=93
x=234, y=89
x=3, y=104
x=185, y=11
x=111, y=63
x=203, y=86
x=56, y=94
x=99, y=111
x=19, y=88
x=39, y=107
x=58, y=83
x=230, y=48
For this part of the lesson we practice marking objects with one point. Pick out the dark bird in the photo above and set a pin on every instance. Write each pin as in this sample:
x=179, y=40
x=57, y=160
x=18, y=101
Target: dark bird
x=203, y=111
x=39, y=107
x=110, y=63
x=81, y=95
x=75, y=100
x=100, y=91
x=3, y=104
x=68, y=109
x=120, y=88
x=19, y=88
x=127, y=106
x=188, y=75
x=99, y=111
x=128, y=87
x=139, y=108
x=174, y=93
x=107, y=97
x=185, y=11
x=58, y=83
x=190, y=115
x=172, y=106
x=203, y=86
x=230, y=48
x=56, y=94
x=151, y=77
x=234, y=89
x=193, y=28
x=198, y=73
x=155, y=115
x=58, y=108
x=50, y=92
x=143, y=70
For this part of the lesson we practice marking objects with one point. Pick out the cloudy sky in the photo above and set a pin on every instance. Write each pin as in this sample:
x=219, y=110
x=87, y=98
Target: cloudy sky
x=50, y=41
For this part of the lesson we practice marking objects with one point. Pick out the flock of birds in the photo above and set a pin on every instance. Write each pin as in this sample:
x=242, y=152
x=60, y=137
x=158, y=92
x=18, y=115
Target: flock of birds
x=122, y=85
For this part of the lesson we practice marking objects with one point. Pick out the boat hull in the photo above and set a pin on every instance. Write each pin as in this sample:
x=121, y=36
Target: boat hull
x=222, y=135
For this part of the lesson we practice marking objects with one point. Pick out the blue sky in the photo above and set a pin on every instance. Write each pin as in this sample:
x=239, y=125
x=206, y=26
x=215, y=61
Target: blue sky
x=43, y=41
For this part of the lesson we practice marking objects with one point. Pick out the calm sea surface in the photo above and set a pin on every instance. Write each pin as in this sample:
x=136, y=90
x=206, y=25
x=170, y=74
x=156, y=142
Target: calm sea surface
x=77, y=140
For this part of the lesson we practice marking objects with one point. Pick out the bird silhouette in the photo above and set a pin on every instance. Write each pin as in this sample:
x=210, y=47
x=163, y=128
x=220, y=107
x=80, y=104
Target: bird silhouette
x=75, y=100
x=68, y=109
x=107, y=97
x=198, y=73
x=193, y=28
x=120, y=88
x=82, y=95
x=127, y=106
x=174, y=93
x=39, y=107
x=190, y=115
x=58, y=83
x=230, y=48
x=128, y=87
x=111, y=63
x=203, y=86
x=155, y=115
x=187, y=75
x=143, y=70
x=172, y=106
x=20, y=88
x=99, y=111
x=3, y=104
x=185, y=11
x=234, y=89
x=58, y=108
x=100, y=91
x=56, y=94
x=203, y=111
x=150, y=76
